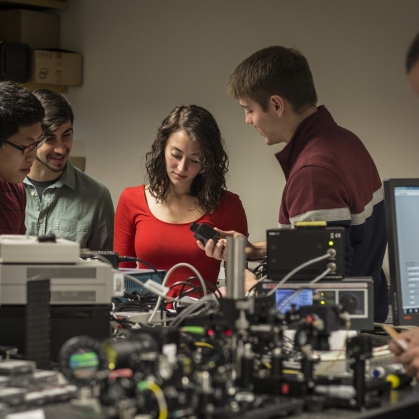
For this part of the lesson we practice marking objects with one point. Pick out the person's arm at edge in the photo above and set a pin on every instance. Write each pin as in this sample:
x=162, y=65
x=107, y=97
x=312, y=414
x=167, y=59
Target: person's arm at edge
x=409, y=358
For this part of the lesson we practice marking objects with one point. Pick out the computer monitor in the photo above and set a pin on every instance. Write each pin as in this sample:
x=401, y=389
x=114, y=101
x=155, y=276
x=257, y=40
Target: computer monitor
x=402, y=220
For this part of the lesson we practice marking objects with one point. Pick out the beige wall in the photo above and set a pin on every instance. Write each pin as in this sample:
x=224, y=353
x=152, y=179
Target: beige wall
x=143, y=57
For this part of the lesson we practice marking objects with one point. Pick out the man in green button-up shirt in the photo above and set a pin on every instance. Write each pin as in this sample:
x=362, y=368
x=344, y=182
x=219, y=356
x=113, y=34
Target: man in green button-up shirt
x=60, y=198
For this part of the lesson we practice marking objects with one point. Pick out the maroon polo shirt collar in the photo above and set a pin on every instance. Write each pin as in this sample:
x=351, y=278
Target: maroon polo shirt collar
x=311, y=127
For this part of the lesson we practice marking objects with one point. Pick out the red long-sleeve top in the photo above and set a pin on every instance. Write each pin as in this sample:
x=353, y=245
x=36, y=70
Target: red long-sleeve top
x=140, y=234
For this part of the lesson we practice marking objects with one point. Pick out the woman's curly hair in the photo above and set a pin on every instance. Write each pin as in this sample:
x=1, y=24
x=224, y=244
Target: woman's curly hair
x=199, y=124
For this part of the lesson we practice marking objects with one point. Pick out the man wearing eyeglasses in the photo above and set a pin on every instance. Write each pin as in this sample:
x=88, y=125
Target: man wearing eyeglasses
x=21, y=114
x=61, y=199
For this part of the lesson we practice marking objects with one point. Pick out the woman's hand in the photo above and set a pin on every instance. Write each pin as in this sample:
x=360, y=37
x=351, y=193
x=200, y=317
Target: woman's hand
x=219, y=250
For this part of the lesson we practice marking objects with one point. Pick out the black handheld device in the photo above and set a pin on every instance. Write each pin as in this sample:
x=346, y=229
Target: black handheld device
x=204, y=232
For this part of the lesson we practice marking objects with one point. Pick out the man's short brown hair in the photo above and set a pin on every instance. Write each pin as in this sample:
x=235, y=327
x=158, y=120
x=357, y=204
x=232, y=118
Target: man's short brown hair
x=58, y=110
x=272, y=71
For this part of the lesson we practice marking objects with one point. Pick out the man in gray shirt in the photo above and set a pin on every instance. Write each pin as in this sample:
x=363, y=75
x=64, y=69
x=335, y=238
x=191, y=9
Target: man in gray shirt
x=60, y=198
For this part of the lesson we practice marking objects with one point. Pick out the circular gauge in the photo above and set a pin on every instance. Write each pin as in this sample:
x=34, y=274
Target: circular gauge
x=349, y=303
x=80, y=359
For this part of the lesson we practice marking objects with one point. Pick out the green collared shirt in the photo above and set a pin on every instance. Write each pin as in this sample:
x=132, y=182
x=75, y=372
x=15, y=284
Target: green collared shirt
x=75, y=207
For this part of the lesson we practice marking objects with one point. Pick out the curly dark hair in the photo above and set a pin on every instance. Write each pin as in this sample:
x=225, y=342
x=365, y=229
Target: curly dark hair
x=199, y=124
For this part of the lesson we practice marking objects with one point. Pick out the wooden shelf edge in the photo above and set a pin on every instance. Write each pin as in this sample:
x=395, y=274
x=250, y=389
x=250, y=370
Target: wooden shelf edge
x=54, y=87
x=48, y=4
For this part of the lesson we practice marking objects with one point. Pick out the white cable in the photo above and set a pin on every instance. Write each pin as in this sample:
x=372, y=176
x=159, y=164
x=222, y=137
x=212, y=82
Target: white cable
x=298, y=268
x=185, y=313
x=187, y=265
x=153, y=290
x=322, y=275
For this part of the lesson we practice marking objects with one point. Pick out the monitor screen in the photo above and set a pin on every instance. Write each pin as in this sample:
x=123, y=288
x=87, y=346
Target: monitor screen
x=285, y=299
x=402, y=215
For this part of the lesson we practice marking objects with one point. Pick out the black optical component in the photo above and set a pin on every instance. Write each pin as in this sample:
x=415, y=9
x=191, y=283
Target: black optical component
x=126, y=353
x=203, y=232
x=81, y=358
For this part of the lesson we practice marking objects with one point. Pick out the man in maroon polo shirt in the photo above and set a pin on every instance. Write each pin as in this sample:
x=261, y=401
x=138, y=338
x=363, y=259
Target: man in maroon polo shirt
x=329, y=173
x=21, y=114
x=410, y=357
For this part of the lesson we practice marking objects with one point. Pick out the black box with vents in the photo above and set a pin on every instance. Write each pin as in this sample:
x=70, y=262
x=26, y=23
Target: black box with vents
x=15, y=61
x=287, y=248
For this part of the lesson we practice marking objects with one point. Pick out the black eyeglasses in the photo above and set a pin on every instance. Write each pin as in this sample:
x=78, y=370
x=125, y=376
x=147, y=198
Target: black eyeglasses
x=26, y=149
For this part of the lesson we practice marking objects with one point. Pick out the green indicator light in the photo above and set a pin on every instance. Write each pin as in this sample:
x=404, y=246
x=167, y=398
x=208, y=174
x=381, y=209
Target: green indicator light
x=331, y=243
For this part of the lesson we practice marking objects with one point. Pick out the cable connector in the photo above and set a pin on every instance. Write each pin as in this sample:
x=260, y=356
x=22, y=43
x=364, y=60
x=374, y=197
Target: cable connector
x=331, y=252
x=111, y=257
x=118, y=284
x=156, y=288
x=126, y=259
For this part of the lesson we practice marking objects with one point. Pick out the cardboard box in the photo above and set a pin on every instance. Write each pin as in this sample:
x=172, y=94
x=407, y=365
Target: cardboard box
x=56, y=67
x=39, y=30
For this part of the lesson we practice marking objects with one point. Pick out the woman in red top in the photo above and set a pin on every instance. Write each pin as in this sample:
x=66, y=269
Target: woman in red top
x=186, y=170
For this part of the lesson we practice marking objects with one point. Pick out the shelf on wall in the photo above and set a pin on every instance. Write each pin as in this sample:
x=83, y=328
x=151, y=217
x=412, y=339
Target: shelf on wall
x=48, y=4
x=54, y=87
